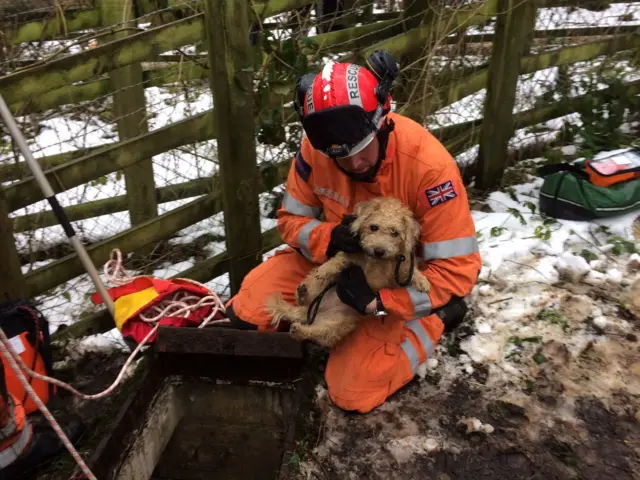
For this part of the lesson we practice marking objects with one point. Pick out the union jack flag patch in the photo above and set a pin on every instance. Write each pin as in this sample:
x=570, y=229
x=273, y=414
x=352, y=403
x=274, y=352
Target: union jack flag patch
x=440, y=194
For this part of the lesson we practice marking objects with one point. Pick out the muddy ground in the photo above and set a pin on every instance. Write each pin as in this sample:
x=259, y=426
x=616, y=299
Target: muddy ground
x=571, y=419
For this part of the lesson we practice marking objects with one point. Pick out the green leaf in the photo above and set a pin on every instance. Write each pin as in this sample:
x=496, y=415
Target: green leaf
x=539, y=358
x=531, y=206
x=497, y=231
x=588, y=255
x=516, y=213
x=67, y=295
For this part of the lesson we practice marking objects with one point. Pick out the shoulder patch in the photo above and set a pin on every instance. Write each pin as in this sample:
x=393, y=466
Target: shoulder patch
x=302, y=167
x=441, y=193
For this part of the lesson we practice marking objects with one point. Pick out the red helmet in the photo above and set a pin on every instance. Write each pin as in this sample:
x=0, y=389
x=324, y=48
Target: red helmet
x=343, y=108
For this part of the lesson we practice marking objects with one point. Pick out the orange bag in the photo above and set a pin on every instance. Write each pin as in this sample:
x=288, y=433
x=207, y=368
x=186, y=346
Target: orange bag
x=615, y=168
x=28, y=333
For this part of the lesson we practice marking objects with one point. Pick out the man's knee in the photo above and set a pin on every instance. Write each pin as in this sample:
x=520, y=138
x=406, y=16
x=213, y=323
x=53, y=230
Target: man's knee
x=378, y=359
x=363, y=370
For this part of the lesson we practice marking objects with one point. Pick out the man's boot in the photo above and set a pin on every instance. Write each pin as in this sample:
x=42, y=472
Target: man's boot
x=45, y=446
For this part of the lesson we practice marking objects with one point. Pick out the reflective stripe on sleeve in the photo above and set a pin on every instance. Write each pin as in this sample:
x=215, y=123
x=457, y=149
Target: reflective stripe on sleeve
x=421, y=302
x=10, y=428
x=13, y=451
x=410, y=350
x=304, y=236
x=458, y=247
x=296, y=207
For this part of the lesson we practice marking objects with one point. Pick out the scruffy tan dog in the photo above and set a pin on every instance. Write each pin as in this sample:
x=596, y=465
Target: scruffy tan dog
x=388, y=235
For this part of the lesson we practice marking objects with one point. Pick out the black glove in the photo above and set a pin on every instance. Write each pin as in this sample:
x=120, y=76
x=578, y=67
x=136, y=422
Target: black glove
x=342, y=240
x=352, y=289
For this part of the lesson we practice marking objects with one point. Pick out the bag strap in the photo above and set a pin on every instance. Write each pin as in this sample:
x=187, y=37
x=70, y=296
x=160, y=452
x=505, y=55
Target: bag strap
x=546, y=170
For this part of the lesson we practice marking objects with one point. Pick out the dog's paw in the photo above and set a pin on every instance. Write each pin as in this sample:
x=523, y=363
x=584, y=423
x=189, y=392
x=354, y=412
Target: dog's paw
x=421, y=283
x=296, y=331
x=301, y=294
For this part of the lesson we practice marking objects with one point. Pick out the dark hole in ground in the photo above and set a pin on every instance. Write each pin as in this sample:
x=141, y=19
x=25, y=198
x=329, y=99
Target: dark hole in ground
x=226, y=432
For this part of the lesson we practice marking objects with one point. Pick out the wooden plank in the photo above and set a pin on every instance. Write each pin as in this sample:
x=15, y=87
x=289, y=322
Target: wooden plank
x=54, y=27
x=147, y=233
x=231, y=79
x=113, y=158
x=81, y=66
x=514, y=22
x=12, y=284
x=130, y=110
x=271, y=175
x=227, y=342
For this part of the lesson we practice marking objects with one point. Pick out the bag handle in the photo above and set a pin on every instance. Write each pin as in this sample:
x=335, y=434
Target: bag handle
x=561, y=167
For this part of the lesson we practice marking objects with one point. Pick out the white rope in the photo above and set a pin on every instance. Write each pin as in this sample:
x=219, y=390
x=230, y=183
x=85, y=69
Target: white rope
x=116, y=274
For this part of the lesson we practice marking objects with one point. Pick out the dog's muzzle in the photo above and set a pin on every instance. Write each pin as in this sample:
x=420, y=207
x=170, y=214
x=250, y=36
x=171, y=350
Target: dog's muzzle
x=379, y=252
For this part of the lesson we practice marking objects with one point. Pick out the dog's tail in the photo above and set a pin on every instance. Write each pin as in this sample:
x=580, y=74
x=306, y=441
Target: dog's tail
x=280, y=309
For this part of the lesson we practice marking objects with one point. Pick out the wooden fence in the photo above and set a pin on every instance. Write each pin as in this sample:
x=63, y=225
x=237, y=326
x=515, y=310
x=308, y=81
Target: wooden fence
x=125, y=62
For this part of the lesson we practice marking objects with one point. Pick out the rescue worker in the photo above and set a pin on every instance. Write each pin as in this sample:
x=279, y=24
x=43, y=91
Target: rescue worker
x=356, y=149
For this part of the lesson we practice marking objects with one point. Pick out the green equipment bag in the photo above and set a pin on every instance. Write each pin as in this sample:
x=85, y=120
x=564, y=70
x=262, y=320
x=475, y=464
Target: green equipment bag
x=568, y=194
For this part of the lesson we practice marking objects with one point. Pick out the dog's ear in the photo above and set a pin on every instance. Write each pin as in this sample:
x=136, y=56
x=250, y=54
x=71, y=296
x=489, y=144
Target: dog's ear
x=411, y=233
x=362, y=211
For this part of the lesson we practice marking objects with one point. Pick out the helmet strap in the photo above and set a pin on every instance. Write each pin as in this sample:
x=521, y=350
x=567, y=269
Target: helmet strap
x=383, y=140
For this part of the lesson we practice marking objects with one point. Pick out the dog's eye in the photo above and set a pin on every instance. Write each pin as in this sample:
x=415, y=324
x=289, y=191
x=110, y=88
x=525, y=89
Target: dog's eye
x=374, y=228
x=394, y=233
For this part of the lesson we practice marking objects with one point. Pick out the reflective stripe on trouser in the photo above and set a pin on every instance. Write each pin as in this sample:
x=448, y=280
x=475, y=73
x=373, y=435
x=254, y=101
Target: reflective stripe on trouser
x=281, y=273
x=378, y=359
x=11, y=448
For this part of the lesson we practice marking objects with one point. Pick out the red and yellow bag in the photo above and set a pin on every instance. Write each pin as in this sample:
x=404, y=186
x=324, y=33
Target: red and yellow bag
x=142, y=293
x=615, y=168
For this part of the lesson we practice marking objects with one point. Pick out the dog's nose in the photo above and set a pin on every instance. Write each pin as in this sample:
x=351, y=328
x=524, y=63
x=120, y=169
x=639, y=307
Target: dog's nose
x=379, y=252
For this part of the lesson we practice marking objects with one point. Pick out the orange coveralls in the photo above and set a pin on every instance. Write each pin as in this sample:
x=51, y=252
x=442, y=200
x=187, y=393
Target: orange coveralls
x=383, y=354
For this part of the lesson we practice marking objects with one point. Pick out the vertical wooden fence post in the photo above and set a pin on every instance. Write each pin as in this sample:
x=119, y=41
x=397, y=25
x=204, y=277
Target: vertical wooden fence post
x=130, y=111
x=515, y=20
x=231, y=77
x=12, y=284
x=414, y=13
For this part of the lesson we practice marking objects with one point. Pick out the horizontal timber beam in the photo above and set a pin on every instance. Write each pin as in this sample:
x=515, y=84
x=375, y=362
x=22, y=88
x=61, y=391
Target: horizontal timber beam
x=92, y=90
x=420, y=37
x=54, y=27
x=21, y=171
x=81, y=66
x=271, y=175
x=460, y=137
x=146, y=233
x=469, y=84
x=108, y=160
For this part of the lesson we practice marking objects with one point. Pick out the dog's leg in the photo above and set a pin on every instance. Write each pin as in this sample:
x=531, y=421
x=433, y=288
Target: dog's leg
x=326, y=331
x=319, y=278
x=420, y=281
x=280, y=309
